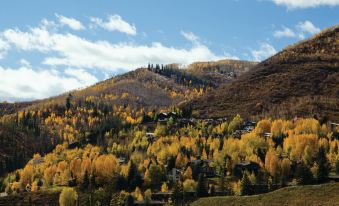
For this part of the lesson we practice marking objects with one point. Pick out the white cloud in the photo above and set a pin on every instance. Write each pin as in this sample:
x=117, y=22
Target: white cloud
x=81, y=57
x=25, y=63
x=74, y=51
x=266, y=50
x=285, y=32
x=306, y=3
x=190, y=36
x=71, y=22
x=115, y=23
x=301, y=29
x=308, y=27
x=26, y=83
x=37, y=39
x=83, y=76
x=4, y=46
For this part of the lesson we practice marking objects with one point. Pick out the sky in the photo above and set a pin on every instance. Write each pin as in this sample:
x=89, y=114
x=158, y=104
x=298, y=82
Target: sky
x=51, y=47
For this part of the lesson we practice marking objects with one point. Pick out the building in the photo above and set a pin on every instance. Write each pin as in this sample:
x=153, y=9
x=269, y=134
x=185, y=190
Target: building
x=174, y=175
x=162, y=196
x=250, y=166
x=203, y=167
x=334, y=127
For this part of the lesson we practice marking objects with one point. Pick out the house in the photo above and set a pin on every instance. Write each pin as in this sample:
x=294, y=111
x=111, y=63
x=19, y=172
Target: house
x=162, y=117
x=38, y=161
x=203, y=167
x=334, y=127
x=174, y=115
x=74, y=145
x=3, y=194
x=248, y=126
x=267, y=134
x=333, y=178
x=162, y=196
x=238, y=133
x=250, y=166
x=174, y=175
x=150, y=137
x=121, y=160
x=151, y=202
x=28, y=188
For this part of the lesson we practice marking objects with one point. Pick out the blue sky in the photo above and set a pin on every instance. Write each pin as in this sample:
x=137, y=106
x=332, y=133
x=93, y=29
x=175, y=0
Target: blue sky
x=50, y=47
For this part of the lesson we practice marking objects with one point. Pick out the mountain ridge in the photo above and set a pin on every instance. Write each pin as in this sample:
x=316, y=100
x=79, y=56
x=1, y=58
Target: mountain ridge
x=301, y=80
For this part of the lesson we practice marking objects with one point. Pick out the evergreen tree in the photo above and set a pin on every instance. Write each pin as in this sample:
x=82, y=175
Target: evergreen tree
x=222, y=181
x=261, y=181
x=133, y=177
x=304, y=175
x=337, y=167
x=202, y=190
x=129, y=201
x=246, y=185
x=85, y=181
x=323, y=165
x=68, y=101
x=177, y=195
x=212, y=190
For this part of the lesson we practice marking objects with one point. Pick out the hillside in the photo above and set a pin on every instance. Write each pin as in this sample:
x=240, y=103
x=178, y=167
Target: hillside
x=38, y=126
x=220, y=71
x=9, y=108
x=301, y=80
x=312, y=195
x=159, y=88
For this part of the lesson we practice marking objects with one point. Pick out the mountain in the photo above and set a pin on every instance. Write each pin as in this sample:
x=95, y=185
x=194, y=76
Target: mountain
x=155, y=87
x=301, y=80
x=87, y=115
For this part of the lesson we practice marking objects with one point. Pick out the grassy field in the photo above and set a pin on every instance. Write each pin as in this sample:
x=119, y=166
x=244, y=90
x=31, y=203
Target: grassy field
x=311, y=195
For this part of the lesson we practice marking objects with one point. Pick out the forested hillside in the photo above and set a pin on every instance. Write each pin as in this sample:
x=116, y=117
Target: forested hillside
x=38, y=126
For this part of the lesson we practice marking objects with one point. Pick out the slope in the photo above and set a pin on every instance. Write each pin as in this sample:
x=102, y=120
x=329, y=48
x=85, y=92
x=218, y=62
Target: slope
x=325, y=194
x=301, y=80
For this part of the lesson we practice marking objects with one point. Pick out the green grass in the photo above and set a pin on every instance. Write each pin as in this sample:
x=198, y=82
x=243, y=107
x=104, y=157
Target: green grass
x=310, y=195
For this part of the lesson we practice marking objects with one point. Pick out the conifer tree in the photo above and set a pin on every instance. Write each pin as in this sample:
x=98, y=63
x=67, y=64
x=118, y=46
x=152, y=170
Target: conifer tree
x=202, y=190
x=246, y=185
x=177, y=195
x=323, y=166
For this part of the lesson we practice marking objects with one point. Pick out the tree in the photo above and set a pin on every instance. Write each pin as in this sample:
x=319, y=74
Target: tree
x=68, y=197
x=285, y=171
x=337, y=167
x=164, y=187
x=222, y=181
x=202, y=190
x=177, y=195
x=235, y=124
x=68, y=101
x=323, y=165
x=129, y=201
x=148, y=196
x=85, y=181
x=118, y=199
x=304, y=175
x=246, y=185
x=156, y=175
x=133, y=178
x=261, y=182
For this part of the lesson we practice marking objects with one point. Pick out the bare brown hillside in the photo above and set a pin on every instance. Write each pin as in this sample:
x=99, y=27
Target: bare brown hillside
x=301, y=80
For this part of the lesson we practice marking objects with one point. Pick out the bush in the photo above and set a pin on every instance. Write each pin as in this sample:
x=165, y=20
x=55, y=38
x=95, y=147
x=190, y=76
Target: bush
x=68, y=197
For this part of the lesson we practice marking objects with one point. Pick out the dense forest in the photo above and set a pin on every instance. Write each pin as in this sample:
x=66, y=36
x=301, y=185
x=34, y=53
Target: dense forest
x=117, y=154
